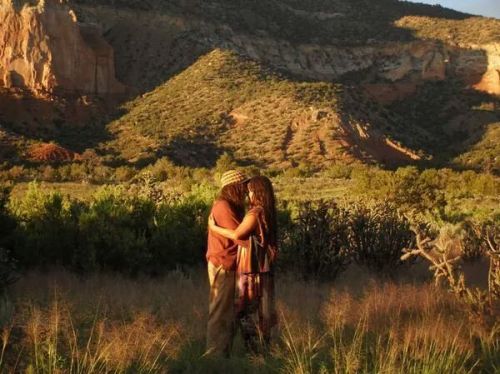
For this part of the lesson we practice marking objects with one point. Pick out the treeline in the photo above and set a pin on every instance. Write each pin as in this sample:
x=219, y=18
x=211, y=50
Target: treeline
x=143, y=231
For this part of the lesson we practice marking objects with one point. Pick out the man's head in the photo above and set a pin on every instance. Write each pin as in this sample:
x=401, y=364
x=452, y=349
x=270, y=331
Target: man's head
x=233, y=189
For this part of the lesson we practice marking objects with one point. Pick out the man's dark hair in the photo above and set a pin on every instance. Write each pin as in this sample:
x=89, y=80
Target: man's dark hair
x=235, y=194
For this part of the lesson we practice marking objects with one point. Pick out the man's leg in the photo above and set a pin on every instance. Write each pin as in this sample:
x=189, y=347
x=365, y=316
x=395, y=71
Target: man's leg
x=220, y=327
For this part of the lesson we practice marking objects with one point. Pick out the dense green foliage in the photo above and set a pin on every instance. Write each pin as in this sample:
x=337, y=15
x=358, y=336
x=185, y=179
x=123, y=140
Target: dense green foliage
x=144, y=229
x=317, y=243
x=7, y=226
x=116, y=230
x=325, y=238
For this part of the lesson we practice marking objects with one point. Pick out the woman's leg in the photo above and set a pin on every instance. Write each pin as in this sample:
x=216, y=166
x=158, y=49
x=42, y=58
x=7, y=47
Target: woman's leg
x=267, y=309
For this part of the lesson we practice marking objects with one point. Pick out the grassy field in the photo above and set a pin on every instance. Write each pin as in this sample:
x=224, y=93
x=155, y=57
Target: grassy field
x=105, y=323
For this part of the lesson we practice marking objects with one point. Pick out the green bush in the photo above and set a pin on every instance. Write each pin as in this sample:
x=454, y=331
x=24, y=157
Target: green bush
x=114, y=232
x=118, y=230
x=316, y=243
x=339, y=171
x=377, y=235
x=419, y=191
x=8, y=265
x=475, y=237
x=180, y=236
x=47, y=228
x=7, y=222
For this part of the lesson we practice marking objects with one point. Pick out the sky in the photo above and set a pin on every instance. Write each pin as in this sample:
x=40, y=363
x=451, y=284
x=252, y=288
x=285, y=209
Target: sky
x=488, y=8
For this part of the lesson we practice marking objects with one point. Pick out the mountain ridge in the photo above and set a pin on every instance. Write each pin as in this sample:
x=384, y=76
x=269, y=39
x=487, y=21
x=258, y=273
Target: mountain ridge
x=379, y=63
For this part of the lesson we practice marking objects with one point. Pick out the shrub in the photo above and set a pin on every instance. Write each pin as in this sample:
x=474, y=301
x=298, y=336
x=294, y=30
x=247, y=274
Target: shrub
x=114, y=232
x=179, y=237
x=47, y=229
x=7, y=226
x=7, y=222
x=124, y=173
x=377, y=235
x=131, y=231
x=224, y=163
x=412, y=190
x=339, y=171
x=316, y=244
x=482, y=305
x=475, y=237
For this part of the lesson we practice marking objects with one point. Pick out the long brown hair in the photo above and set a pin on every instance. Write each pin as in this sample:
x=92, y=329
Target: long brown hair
x=264, y=196
x=235, y=195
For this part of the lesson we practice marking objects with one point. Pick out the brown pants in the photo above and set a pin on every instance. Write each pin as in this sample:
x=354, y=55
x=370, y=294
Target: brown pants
x=220, y=327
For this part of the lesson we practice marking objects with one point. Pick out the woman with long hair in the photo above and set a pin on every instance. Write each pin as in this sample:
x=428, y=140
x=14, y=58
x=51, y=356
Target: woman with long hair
x=255, y=311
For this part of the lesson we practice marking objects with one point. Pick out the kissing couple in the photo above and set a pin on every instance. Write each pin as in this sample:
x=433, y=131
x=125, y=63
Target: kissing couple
x=241, y=253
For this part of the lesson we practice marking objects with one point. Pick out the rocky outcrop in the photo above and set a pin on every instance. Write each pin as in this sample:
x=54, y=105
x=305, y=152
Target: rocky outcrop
x=413, y=62
x=45, y=49
x=170, y=43
x=490, y=80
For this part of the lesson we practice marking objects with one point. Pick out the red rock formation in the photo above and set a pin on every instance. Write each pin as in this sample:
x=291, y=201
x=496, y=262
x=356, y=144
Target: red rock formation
x=43, y=48
x=51, y=152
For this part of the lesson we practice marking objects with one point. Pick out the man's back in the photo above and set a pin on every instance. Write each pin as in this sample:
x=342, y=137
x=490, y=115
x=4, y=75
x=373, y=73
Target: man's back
x=223, y=251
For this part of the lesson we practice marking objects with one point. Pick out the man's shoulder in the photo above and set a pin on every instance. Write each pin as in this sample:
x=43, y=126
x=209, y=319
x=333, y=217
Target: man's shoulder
x=221, y=204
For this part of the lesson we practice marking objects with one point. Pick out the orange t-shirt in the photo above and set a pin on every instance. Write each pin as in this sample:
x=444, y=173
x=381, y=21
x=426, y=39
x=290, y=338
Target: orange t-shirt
x=220, y=250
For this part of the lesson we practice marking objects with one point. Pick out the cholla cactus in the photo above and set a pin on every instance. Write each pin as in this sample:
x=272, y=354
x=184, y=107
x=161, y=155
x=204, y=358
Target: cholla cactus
x=442, y=254
x=492, y=238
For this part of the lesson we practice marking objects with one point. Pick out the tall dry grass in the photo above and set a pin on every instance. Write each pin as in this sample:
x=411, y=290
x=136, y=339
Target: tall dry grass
x=109, y=324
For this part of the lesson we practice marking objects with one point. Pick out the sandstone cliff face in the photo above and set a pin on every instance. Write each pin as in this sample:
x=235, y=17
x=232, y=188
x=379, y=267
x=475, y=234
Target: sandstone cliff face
x=395, y=65
x=43, y=48
x=394, y=69
x=490, y=80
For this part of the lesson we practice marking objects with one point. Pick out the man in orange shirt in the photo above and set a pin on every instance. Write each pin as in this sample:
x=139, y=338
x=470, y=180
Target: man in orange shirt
x=228, y=211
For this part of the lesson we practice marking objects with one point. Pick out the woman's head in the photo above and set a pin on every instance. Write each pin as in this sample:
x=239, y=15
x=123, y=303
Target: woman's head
x=261, y=193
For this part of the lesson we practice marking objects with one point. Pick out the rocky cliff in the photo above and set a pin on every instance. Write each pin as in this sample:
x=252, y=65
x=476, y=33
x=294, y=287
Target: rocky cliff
x=45, y=49
x=169, y=42
x=415, y=81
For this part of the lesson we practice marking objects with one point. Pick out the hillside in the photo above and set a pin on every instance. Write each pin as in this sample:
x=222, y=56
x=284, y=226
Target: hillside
x=224, y=102
x=276, y=83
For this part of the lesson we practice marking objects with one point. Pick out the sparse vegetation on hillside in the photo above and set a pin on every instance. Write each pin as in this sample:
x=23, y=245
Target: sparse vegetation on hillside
x=330, y=22
x=471, y=30
x=227, y=102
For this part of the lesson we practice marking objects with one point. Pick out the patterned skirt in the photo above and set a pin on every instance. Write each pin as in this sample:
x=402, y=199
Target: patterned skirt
x=255, y=306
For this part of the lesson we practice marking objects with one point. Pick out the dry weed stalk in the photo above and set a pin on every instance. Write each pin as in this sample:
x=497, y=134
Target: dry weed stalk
x=482, y=305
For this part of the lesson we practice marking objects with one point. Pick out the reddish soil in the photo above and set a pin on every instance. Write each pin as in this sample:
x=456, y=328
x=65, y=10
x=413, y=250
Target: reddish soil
x=51, y=152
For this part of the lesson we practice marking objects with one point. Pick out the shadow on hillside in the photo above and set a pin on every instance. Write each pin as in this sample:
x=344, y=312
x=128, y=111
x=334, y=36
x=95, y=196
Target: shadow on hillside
x=453, y=117
x=174, y=34
x=162, y=39
x=193, y=152
x=75, y=122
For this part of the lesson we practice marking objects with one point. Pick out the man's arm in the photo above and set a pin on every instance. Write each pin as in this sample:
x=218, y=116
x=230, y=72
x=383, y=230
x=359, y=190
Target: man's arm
x=246, y=227
x=225, y=217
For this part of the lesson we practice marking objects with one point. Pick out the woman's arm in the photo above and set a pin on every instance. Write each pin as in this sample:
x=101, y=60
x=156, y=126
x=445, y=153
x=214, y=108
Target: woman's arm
x=243, y=231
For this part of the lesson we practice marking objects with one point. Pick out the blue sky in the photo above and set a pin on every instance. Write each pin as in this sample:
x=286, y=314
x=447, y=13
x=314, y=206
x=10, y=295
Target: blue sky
x=489, y=8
